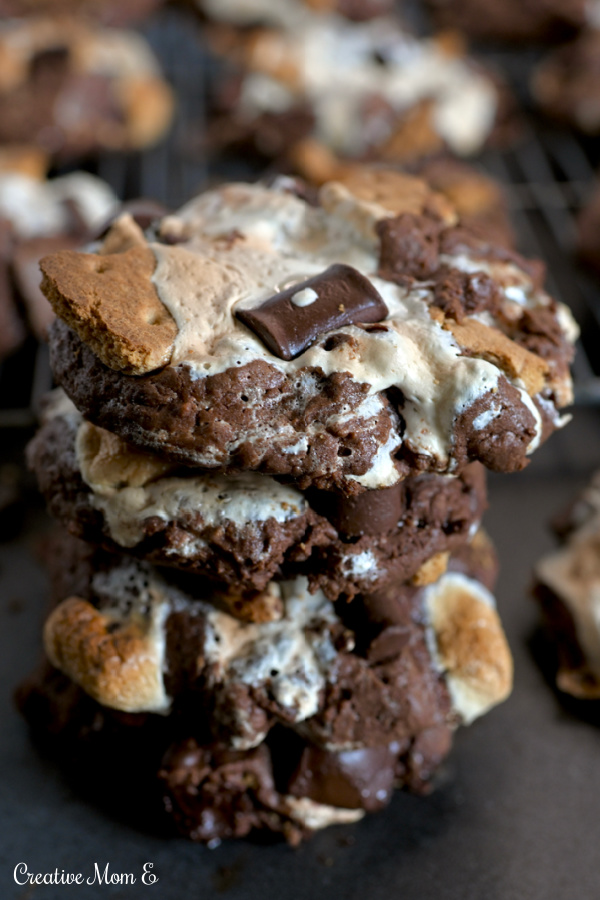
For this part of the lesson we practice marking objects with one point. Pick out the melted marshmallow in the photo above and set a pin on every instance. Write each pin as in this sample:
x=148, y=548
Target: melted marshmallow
x=294, y=655
x=41, y=208
x=244, y=243
x=240, y=244
x=128, y=594
x=342, y=65
x=573, y=574
x=218, y=499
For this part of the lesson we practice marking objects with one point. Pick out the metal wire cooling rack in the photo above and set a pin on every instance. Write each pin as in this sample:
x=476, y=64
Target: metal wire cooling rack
x=548, y=176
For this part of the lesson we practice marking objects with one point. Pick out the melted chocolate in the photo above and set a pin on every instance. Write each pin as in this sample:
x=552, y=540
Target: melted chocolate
x=290, y=321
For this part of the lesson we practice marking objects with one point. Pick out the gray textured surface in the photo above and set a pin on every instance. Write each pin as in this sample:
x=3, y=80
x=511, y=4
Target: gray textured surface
x=514, y=817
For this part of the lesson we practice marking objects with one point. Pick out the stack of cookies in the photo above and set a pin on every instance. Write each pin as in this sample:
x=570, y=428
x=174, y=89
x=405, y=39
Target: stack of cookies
x=274, y=603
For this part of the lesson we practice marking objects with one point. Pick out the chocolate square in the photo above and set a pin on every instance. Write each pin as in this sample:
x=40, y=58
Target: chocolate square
x=290, y=321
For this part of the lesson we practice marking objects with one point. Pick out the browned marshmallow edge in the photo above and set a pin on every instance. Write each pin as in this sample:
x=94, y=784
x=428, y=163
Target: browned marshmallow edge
x=469, y=644
x=297, y=656
x=572, y=573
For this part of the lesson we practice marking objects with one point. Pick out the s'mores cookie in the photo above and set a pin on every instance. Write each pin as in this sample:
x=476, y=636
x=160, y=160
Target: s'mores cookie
x=343, y=676
x=73, y=89
x=565, y=84
x=346, y=345
x=363, y=91
x=271, y=442
x=567, y=582
x=248, y=529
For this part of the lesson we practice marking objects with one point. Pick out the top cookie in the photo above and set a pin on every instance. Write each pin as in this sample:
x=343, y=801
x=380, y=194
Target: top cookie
x=345, y=344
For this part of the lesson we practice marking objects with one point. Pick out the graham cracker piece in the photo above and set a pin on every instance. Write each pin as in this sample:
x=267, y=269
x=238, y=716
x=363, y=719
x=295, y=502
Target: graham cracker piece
x=112, y=304
x=413, y=137
x=489, y=343
x=123, y=234
x=254, y=606
x=384, y=193
x=113, y=661
x=431, y=570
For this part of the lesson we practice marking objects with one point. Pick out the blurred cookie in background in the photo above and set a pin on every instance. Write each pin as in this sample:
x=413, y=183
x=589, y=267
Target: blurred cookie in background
x=287, y=13
x=512, y=20
x=567, y=583
x=39, y=216
x=73, y=89
x=369, y=90
x=588, y=232
x=106, y=12
x=566, y=84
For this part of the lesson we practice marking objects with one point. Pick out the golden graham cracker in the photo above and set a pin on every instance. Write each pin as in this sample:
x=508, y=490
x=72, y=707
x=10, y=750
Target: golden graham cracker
x=112, y=304
x=489, y=343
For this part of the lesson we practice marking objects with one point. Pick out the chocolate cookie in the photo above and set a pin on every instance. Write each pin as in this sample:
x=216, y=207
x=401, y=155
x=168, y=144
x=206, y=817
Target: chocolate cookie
x=346, y=345
x=285, y=786
x=248, y=529
x=364, y=91
x=512, y=20
x=73, y=89
x=567, y=583
x=566, y=86
x=379, y=669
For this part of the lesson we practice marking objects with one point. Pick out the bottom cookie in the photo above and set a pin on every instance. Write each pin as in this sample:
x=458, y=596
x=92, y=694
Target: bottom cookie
x=308, y=718
x=150, y=765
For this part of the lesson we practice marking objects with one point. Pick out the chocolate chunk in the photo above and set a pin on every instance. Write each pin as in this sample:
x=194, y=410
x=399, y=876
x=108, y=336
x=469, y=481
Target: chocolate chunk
x=372, y=512
x=409, y=247
x=292, y=320
x=351, y=779
x=461, y=294
x=389, y=643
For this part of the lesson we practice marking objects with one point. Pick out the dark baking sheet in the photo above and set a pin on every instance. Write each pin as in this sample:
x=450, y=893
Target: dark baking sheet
x=515, y=814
